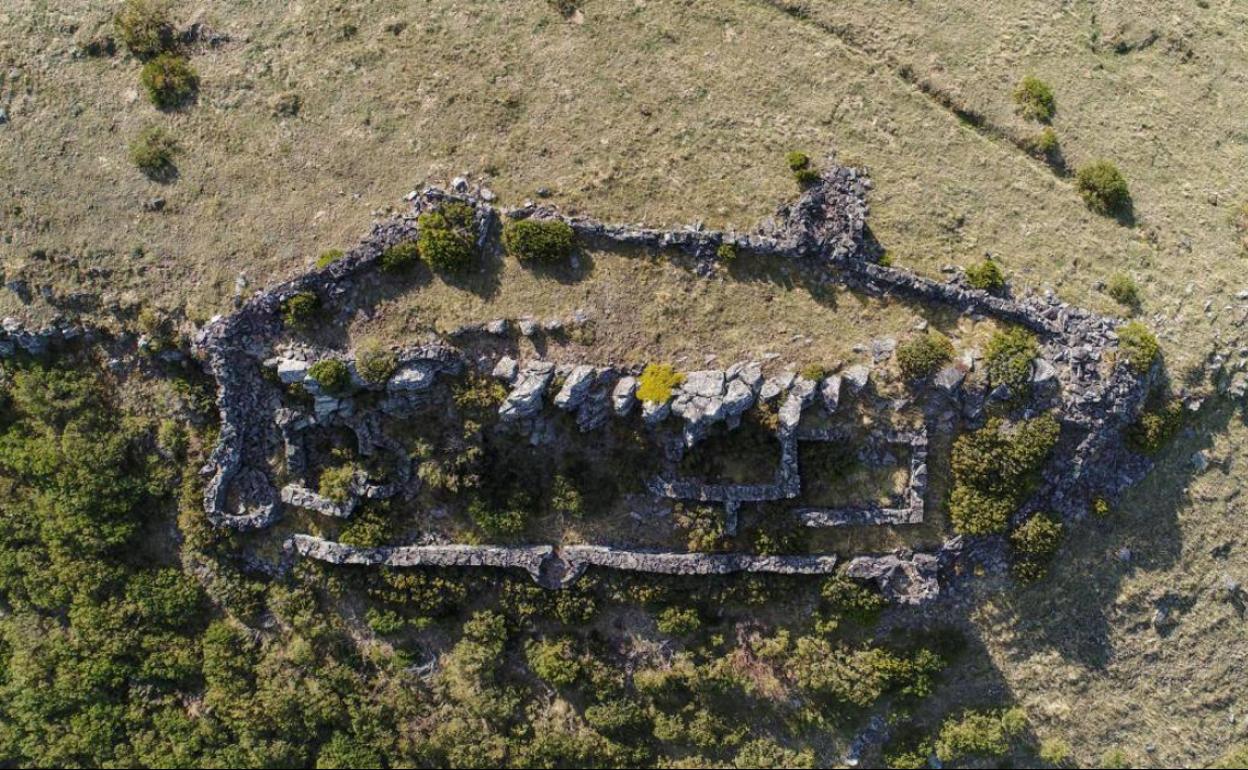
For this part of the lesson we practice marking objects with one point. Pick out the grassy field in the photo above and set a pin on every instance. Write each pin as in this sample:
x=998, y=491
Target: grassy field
x=665, y=112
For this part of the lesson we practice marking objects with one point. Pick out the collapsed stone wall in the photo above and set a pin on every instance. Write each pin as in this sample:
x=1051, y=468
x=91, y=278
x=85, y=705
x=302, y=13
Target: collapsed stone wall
x=827, y=223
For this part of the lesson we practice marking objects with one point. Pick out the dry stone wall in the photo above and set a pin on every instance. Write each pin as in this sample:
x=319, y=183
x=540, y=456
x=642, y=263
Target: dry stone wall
x=827, y=223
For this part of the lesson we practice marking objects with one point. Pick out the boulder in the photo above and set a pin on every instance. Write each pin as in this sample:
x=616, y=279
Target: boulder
x=291, y=370
x=857, y=377
x=525, y=398
x=575, y=387
x=412, y=378
x=949, y=379
x=624, y=396
x=506, y=369
x=830, y=390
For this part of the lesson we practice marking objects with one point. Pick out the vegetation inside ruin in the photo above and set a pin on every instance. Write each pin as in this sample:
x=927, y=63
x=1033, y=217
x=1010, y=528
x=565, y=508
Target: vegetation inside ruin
x=923, y=354
x=446, y=239
x=993, y=471
x=538, y=241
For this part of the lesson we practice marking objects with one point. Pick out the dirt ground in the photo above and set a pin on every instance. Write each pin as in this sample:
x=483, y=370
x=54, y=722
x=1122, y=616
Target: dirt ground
x=673, y=111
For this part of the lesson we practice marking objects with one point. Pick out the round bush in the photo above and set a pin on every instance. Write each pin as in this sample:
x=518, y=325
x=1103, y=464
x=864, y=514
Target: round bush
x=922, y=355
x=144, y=28
x=153, y=152
x=1103, y=187
x=656, y=383
x=400, y=257
x=169, y=81
x=301, y=309
x=1034, y=99
x=446, y=237
x=986, y=276
x=328, y=258
x=1123, y=290
x=375, y=364
x=726, y=253
x=1138, y=346
x=331, y=374
x=1009, y=354
x=797, y=160
x=538, y=240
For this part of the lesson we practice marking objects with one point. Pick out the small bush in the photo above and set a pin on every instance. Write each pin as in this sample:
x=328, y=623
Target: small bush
x=153, y=152
x=797, y=161
x=375, y=364
x=678, y=621
x=328, y=258
x=923, y=354
x=987, y=276
x=335, y=483
x=331, y=374
x=144, y=27
x=1103, y=187
x=806, y=177
x=1044, y=143
x=813, y=372
x=554, y=661
x=657, y=381
x=984, y=734
x=1122, y=289
x=993, y=469
x=1034, y=542
x=538, y=240
x=1138, y=346
x=846, y=597
x=703, y=526
x=1155, y=427
x=446, y=238
x=299, y=310
x=1009, y=354
x=1054, y=751
x=169, y=81
x=565, y=498
x=507, y=519
x=726, y=253
x=1034, y=99
x=400, y=257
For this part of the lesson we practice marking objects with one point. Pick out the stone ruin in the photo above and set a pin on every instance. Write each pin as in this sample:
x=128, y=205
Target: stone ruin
x=826, y=225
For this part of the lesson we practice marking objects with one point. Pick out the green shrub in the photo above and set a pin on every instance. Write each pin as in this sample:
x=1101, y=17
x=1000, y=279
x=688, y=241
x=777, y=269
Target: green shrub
x=813, y=372
x=618, y=718
x=447, y=239
x=329, y=257
x=1009, y=355
x=726, y=253
x=797, y=160
x=335, y=483
x=400, y=257
x=983, y=734
x=493, y=519
x=1154, y=428
x=806, y=177
x=565, y=498
x=1044, y=143
x=986, y=276
x=1034, y=542
x=993, y=468
x=331, y=374
x=1122, y=289
x=1116, y=759
x=299, y=310
x=923, y=354
x=169, y=81
x=144, y=27
x=1054, y=751
x=678, y=621
x=847, y=597
x=1138, y=346
x=369, y=527
x=767, y=753
x=375, y=364
x=1034, y=99
x=554, y=661
x=1103, y=187
x=657, y=381
x=152, y=152
x=703, y=526
x=538, y=240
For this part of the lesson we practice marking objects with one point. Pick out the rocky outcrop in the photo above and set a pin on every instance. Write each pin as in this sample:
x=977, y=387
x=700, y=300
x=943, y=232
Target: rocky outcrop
x=903, y=577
